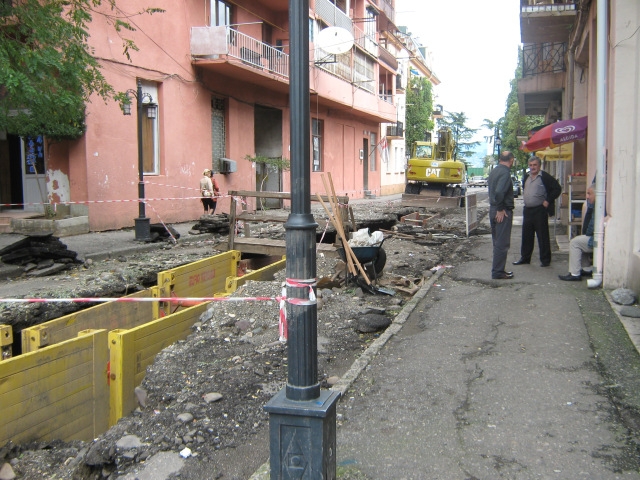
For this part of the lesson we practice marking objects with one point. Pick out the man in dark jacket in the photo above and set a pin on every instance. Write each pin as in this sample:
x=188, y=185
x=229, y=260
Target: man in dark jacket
x=501, y=214
x=539, y=191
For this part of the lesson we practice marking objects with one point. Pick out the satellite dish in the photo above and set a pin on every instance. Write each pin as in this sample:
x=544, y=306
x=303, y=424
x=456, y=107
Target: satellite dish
x=335, y=40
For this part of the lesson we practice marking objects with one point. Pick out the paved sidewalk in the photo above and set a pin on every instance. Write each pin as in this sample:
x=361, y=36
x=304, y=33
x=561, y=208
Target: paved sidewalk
x=494, y=379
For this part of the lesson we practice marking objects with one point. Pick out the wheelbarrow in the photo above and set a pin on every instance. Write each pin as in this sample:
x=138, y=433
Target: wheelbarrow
x=373, y=259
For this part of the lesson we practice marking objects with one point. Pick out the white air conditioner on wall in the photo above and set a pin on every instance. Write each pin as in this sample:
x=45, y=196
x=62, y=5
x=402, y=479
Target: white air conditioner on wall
x=228, y=166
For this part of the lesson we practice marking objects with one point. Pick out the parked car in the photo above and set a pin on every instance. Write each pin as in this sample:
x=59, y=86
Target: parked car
x=517, y=186
x=478, y=182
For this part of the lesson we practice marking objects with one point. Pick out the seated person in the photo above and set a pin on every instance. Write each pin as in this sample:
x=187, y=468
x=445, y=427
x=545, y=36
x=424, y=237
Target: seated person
x=581, y=244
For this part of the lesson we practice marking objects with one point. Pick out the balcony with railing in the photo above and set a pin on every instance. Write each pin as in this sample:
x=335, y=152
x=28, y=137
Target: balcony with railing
x=547, y=20
x=230, y=52
x=395, y=130
x=539, y=58
x=543, y=76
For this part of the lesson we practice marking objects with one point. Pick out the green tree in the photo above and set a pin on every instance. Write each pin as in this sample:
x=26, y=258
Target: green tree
x=462, y=134
x=514, y=126
x=47, y=71
x=419, y=111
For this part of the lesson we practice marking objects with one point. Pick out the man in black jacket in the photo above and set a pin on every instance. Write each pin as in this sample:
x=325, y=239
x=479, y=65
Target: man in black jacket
x=501, y=214
x=539, y=191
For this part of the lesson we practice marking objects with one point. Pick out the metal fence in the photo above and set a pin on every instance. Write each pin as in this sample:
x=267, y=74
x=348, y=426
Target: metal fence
x=538, y=58
x=257, y=54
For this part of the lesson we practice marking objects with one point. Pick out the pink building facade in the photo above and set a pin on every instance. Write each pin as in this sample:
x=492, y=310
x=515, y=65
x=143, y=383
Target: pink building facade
x=218, y=74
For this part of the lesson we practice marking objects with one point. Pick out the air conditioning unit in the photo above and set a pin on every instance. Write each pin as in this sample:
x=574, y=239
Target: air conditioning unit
x=228, y=166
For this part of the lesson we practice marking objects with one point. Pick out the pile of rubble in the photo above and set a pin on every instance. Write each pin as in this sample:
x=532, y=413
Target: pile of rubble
x=39, y=254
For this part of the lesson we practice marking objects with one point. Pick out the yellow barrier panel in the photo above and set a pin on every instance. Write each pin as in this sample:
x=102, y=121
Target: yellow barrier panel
x=6, y=342
x=57, y=392
x=203, y=278
x=108, y=316
x=131, y=351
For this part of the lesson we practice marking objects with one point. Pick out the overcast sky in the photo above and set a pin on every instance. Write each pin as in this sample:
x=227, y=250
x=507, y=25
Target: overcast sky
x=474, y=47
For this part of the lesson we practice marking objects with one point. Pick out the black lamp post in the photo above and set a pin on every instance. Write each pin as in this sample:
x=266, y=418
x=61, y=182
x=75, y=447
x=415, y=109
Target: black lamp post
x=142, y=223
x=497, y=142
x=498, y=145
x=302, y=417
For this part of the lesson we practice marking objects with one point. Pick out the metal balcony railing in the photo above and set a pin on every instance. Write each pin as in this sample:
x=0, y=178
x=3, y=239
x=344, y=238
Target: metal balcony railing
x=333, y=16
x=541, y=6
x=257, y=54
x=538, y=58
x=365, y=41
x=396, y=130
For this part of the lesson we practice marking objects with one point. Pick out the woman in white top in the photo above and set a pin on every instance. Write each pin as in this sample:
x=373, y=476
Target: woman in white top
x=207, y=193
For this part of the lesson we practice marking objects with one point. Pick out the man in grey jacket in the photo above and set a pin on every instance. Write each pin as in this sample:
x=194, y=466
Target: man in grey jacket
x=501, y=214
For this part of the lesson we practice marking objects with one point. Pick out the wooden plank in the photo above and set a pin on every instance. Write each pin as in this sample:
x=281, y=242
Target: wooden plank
x=106, y=316
x=281, y=195
x=51, y=392
x=266, y=246
x=429, y=202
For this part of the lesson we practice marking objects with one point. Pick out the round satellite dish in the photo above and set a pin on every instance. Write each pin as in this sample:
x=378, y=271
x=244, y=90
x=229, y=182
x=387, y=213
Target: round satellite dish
x=335, y=40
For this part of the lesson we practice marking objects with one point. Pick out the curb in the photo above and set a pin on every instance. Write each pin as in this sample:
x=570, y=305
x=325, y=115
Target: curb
x=347, y=380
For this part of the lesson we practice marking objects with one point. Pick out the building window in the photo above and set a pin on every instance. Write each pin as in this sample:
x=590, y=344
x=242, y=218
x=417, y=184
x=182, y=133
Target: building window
x=220, y=13
x=150, y=132
x=218, y=133
x=317, y=132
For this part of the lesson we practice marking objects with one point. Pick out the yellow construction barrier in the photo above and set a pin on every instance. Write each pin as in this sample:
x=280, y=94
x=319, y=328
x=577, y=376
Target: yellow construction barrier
x=6, y=342
x=108, y=316
x=75, y=388
x=132, y=351
x=204, y=278
x=57, y=392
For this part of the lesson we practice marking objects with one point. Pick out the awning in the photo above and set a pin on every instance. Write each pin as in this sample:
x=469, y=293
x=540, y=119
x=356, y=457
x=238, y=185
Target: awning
x=561, y=152
x=559, y=133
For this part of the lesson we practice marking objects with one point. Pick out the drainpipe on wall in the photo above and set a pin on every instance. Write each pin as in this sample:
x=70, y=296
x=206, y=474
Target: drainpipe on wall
x=601, y=115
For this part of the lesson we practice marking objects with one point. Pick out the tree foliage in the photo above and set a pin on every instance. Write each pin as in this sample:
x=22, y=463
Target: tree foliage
x=514, y=125
x=47, y=71
x=462, y=134
x=419, y=110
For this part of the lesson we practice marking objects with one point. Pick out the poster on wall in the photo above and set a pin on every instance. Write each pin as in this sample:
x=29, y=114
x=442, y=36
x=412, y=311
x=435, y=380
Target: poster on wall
x=34, y=155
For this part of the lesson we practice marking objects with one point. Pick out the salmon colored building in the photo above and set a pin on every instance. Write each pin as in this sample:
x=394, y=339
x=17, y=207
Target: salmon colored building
x=215, y=81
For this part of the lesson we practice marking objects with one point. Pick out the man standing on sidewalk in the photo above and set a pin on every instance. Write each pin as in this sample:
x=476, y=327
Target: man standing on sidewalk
x=501, y=214
x=540, y=191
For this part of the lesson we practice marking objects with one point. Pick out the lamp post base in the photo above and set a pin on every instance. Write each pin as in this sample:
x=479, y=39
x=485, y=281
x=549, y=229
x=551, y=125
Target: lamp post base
x=303, y=436
x=143, y=229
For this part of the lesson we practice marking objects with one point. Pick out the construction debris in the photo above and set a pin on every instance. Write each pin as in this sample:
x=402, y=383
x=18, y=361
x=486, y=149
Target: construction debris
x=40, y=255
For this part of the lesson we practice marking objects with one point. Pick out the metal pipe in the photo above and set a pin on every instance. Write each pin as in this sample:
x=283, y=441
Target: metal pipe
x=601, y=152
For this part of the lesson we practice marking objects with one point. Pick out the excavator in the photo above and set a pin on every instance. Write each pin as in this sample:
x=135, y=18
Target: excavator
x=432, y=169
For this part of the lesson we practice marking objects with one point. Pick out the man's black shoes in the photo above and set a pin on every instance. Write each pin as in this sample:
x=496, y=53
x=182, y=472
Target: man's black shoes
x=570, y=278
x=503, y=276
x=545, y=264
x=522, y=261
x=586, y=273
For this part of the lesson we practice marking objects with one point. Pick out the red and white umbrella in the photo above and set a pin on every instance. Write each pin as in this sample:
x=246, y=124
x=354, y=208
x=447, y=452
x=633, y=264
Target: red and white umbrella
x=554, y=134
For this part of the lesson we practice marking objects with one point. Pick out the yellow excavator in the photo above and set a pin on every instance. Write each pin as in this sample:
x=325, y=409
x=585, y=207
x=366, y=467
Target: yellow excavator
x=432, y=169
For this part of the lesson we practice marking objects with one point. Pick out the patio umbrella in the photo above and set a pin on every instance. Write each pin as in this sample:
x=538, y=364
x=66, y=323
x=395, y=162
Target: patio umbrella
x=561, y=152
x=554, y=134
